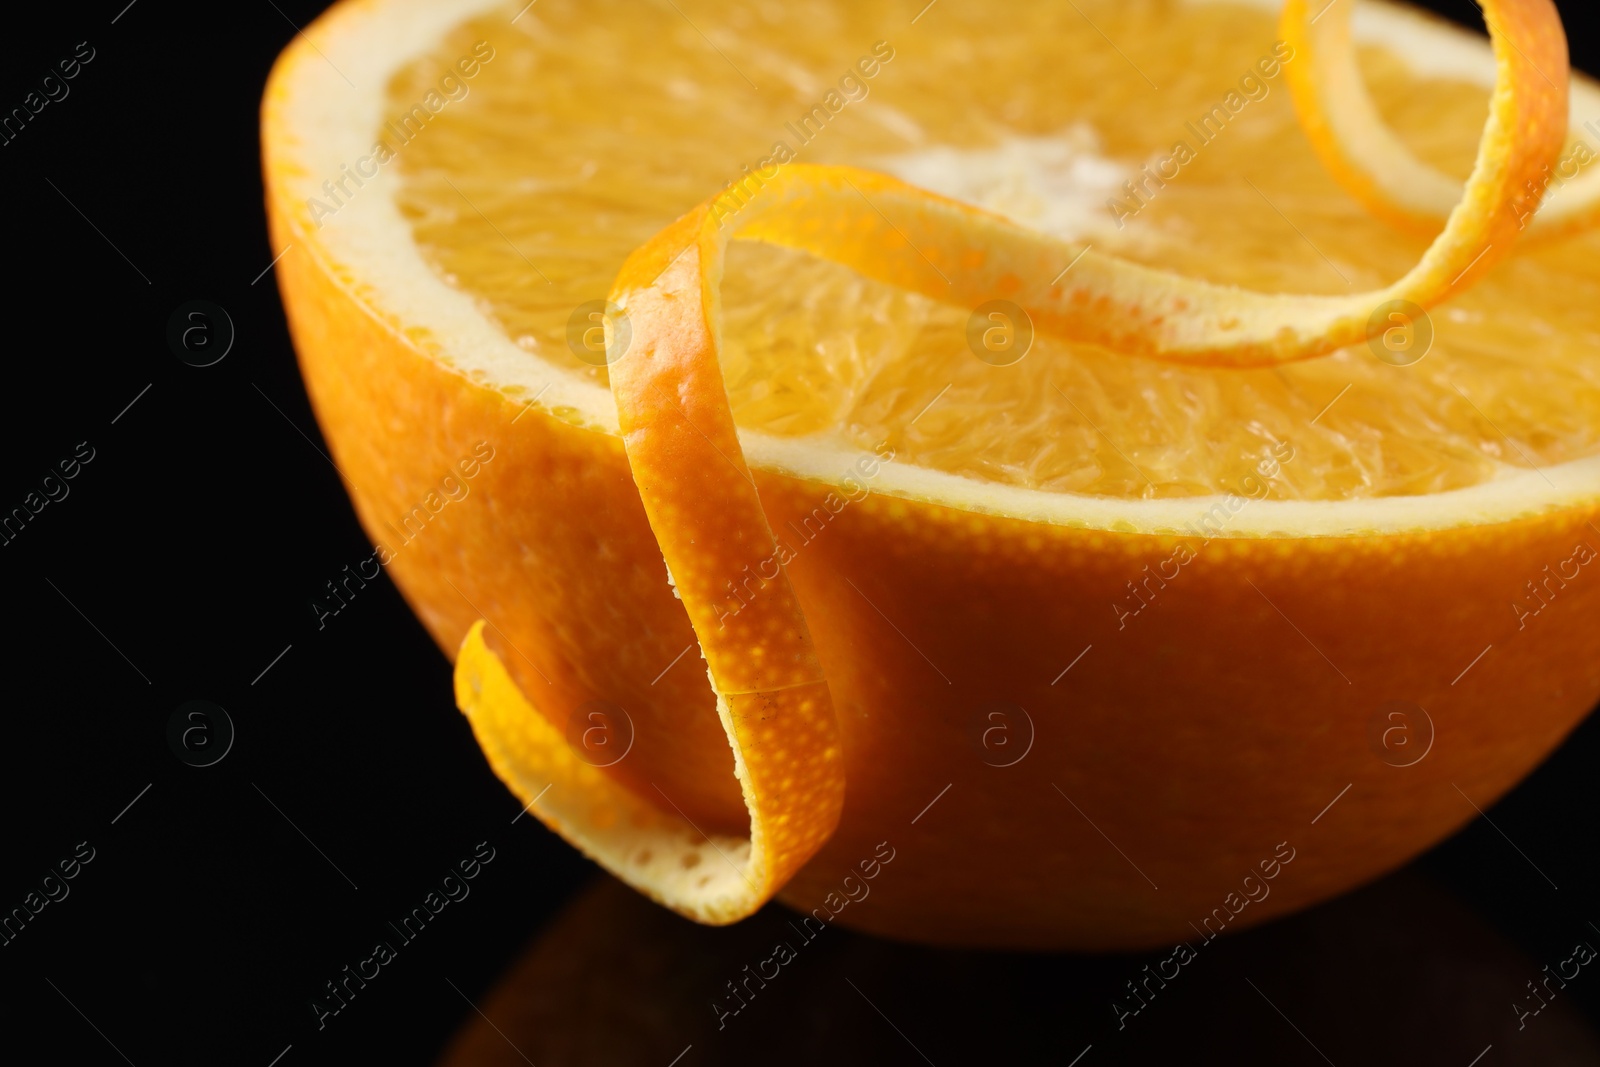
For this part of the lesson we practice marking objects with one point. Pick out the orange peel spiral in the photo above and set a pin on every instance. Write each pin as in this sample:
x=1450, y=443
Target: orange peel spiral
x=1378, y=169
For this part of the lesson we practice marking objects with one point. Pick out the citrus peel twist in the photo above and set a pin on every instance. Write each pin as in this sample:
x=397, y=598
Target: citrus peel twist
x=703, y=506
x=1378, y=169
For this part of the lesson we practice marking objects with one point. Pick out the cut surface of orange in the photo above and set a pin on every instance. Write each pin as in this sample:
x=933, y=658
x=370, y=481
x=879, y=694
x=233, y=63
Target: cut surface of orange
x=949, y=534
x=816, y=351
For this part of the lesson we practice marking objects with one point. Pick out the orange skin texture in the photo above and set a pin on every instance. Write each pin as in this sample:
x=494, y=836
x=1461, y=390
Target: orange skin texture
x=683, y=450
x=1197, y=738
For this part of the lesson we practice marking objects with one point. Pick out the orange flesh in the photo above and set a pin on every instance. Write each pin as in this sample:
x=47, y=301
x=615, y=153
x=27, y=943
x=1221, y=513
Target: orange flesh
x=815, y=348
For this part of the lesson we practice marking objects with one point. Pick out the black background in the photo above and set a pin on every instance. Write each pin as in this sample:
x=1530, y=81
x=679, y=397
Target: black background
x=182, y=565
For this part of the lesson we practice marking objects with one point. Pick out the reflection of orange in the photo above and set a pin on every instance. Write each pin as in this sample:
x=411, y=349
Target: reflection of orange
x=1199, y=585
x=1397, y=974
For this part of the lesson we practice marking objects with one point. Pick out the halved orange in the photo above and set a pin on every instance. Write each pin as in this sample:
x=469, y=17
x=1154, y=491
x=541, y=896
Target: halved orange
x=1081, y=641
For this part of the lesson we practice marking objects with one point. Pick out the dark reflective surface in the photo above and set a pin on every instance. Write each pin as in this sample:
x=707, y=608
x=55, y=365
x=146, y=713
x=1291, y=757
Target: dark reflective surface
x=1399, y=973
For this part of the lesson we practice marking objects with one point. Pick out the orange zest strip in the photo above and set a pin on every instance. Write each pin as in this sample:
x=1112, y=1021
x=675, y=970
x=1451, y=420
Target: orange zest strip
x=1375, y=167
x=772, y=699
x=703, y=506
x=701, y=500
x=905, y=236
x=645, y=841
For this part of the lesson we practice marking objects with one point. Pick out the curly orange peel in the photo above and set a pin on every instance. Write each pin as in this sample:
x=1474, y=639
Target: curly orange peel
x=1378, y=169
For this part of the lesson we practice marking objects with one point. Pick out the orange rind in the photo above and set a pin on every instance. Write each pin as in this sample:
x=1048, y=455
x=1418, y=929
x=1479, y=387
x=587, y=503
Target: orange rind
x=1380, y=170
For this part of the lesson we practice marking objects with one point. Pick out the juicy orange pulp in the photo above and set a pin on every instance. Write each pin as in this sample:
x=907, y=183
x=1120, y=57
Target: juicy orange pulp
x=1513, y=378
